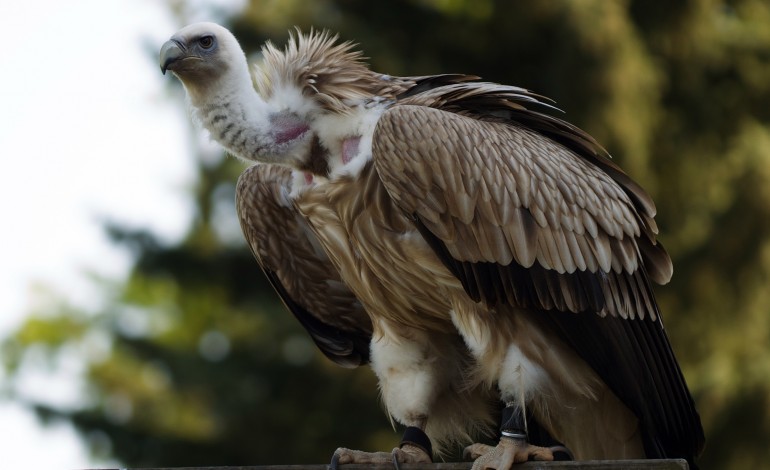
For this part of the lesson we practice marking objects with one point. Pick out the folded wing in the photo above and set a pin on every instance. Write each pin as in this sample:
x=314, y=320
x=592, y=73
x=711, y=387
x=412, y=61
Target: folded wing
x=527, y=211
x=297, y=267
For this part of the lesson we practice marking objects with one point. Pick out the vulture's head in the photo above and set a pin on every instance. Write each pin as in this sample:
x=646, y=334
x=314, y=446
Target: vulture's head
x=204, y=55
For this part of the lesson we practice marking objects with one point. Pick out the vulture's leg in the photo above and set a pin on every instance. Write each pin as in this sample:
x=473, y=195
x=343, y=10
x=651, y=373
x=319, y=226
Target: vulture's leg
x=411, y=378
x=508, y=351
x=514, y=446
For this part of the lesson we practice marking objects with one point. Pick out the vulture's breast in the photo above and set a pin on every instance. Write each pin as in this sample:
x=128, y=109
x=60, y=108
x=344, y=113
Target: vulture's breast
x=388, y=264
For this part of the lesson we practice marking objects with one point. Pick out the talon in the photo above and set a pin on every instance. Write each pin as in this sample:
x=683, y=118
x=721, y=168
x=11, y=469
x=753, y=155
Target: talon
x=334, y=465
x=561, y=453
x=395, y=459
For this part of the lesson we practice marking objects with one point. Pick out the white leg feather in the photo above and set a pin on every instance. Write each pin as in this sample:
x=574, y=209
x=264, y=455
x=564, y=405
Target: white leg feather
x=411, y=378
x=424, y=381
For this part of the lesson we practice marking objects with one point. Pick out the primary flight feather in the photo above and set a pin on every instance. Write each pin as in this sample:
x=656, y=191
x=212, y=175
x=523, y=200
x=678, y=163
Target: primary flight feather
x=478, y=252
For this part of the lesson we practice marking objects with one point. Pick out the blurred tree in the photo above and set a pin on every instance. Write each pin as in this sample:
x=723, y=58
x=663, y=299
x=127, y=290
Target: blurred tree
x=204, y=367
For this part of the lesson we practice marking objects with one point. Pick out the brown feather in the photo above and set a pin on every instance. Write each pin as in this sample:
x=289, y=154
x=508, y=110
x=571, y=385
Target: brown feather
x=329, y=72
x=308, y=283
x=472, y=204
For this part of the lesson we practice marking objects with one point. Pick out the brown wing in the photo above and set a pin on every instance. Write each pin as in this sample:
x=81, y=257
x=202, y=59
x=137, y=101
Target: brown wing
x=541, y=226
x=297, y=267
x=527, y=211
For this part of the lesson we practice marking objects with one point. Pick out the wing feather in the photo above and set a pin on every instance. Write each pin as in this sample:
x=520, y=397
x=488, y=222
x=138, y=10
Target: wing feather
x=560, y=210
x=297, y=267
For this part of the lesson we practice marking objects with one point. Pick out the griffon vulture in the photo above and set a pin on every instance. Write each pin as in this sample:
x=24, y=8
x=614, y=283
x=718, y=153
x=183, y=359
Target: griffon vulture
x=471, y=247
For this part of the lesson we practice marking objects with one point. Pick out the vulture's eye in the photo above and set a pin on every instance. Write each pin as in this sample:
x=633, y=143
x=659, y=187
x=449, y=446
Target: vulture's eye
x=206, y=42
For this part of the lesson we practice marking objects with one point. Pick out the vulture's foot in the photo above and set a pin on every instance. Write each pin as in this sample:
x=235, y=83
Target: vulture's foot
x=404, y=454
x=508, y=452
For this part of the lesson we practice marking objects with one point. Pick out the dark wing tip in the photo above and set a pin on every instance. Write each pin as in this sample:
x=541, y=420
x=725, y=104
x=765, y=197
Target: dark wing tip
x=280, y=245
x=348, y=349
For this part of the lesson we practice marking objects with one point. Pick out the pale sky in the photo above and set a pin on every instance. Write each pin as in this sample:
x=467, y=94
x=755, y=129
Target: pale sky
x=87, y=132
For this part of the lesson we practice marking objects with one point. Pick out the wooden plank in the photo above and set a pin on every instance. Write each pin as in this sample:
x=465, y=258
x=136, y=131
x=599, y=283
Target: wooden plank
x=667, y=464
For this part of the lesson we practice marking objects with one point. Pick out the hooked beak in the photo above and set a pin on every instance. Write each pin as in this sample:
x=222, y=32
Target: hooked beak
x=171, y=52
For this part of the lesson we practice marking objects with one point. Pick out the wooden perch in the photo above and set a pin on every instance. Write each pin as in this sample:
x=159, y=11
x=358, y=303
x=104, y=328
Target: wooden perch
x=667, y=464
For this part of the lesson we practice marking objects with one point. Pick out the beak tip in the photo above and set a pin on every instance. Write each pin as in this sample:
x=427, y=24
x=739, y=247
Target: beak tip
x=169, y=53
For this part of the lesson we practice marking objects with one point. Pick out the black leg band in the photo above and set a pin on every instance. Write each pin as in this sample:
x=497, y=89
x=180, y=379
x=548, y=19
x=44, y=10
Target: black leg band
x=512, y=423
x=415, y=436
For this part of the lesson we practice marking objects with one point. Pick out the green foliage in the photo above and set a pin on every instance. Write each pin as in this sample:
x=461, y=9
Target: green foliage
x=203, y=366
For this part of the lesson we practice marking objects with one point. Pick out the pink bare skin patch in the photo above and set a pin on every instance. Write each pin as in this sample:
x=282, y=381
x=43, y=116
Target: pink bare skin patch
x=350, y=148
x=308, y=177
x=287, y=127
